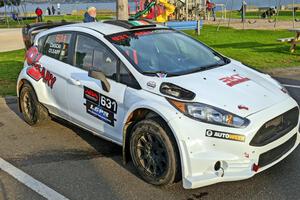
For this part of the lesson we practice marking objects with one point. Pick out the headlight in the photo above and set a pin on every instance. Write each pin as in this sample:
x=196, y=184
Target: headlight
x=209, y=114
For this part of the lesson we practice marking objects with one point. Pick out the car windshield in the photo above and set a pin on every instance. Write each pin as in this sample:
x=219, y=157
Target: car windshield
x=166, y=52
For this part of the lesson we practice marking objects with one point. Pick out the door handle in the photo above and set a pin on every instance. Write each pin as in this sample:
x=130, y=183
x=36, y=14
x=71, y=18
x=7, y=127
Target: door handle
x=74, y=81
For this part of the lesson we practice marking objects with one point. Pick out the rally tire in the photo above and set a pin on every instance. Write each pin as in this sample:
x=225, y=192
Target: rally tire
x=154, y=153
x=34, y=113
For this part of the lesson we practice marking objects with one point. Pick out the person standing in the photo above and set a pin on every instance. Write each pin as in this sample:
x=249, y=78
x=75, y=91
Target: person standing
x=90, y=15
x=49, y=10
x=210, y=8
x=243, y=10
x=53, y=10
x=39, y=14
x=213, y=10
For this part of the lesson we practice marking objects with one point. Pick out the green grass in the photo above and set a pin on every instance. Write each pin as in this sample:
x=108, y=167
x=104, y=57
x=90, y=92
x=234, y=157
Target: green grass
x=255, y=48
x=70, y=18
x=11, y=64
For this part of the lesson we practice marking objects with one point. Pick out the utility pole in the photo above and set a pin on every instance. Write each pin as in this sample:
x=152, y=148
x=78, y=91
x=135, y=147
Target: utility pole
x=122, y=9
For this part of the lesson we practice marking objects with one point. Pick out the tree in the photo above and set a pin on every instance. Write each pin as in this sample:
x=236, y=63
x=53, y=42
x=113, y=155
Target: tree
x=122, y=9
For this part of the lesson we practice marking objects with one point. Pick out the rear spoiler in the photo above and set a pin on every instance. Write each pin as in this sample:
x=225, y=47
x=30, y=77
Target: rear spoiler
x=31, y=30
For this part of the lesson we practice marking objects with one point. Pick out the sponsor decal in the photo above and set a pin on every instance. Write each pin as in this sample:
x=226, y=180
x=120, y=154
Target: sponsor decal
x=61, y=38
x=37, y=72
x=225, y=136
x=234, y=80
x=151, y=84
x=162, y=75
x=100, y=106
x=120, y=37
x=141, y=33
x=100, y=113
x=91, y=95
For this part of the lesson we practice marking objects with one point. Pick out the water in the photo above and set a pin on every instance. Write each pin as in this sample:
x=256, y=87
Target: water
x=68, y=8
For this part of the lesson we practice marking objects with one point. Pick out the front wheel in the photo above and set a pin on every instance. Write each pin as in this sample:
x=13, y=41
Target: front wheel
x=153, y=152
x=33, y=112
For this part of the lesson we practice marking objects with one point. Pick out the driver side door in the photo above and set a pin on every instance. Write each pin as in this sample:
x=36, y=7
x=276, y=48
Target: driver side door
x=91, y=104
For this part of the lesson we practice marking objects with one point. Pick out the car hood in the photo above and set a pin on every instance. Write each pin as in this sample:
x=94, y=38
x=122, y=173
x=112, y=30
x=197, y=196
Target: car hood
x=233, y=87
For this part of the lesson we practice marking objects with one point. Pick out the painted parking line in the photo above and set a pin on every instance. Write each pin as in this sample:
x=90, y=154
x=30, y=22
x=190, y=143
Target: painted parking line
x=292, y=86
x=30, y=182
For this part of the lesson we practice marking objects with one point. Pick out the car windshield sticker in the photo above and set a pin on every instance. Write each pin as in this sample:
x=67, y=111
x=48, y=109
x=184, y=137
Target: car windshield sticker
x=61, y=38
x=100, y=106
x=225, y=136
x=234, y=80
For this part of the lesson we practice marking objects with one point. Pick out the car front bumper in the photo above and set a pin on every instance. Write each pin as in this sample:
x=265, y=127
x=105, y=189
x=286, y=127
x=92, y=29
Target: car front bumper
x=239, y=160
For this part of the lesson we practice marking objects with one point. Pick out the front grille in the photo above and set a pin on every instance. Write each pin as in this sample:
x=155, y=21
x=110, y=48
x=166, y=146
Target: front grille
x=276, y=153
x=276, y=128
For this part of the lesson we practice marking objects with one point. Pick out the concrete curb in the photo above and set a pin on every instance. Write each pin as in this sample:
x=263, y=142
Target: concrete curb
x=8, y=100
x=289, y=72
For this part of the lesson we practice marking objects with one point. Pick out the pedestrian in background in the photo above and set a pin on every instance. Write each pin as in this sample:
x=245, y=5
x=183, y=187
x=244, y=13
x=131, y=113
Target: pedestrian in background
x=39, y=14
x=49, y=10
x=243, y=10
x=210, y=9
x=53, y=10
x=90, y=15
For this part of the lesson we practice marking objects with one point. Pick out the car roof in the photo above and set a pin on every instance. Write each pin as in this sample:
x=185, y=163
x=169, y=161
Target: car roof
x=110, y=27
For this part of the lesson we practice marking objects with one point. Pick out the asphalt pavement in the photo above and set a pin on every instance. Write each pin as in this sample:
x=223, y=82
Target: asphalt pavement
x=78, y=165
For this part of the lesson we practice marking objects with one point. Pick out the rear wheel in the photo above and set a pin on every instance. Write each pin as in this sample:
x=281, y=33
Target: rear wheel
x=153, y=152
x=33, y=112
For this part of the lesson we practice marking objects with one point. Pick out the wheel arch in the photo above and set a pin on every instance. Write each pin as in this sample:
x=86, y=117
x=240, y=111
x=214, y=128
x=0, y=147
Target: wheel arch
x=20, y=84
x=19, y=87
x=137, y=115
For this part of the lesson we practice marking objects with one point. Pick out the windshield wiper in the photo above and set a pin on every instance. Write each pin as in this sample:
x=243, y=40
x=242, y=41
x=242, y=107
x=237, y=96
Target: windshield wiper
x=158, y=73
x=204, y=68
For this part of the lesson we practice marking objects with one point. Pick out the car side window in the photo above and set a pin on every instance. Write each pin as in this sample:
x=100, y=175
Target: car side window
x=41, y=42
x=127, y=78
x=91, y=54
x=57, y=46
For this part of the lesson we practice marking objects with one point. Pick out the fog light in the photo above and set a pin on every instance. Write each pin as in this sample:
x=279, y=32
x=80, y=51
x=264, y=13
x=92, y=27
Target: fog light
x=217, y=166
x=219, y=169
x=255, y=167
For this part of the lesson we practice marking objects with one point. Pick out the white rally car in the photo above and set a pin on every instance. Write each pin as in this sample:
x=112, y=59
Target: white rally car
x=180, y=110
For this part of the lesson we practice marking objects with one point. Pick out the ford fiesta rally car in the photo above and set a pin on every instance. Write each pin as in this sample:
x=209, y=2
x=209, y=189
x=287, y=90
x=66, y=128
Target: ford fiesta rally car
x=180, y=110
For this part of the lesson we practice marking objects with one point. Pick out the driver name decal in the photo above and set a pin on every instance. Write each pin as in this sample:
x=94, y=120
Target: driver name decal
x=234, y=80
x=100, y=106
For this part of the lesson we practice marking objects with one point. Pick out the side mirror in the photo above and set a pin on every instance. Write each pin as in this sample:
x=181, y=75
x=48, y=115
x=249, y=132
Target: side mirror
x=100, y=76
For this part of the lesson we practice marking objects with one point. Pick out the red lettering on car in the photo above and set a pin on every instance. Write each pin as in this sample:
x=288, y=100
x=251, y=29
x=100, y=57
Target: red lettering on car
x=234, y=80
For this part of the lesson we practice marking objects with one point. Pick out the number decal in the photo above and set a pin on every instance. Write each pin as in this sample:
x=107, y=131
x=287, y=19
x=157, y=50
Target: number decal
x=100, y=106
